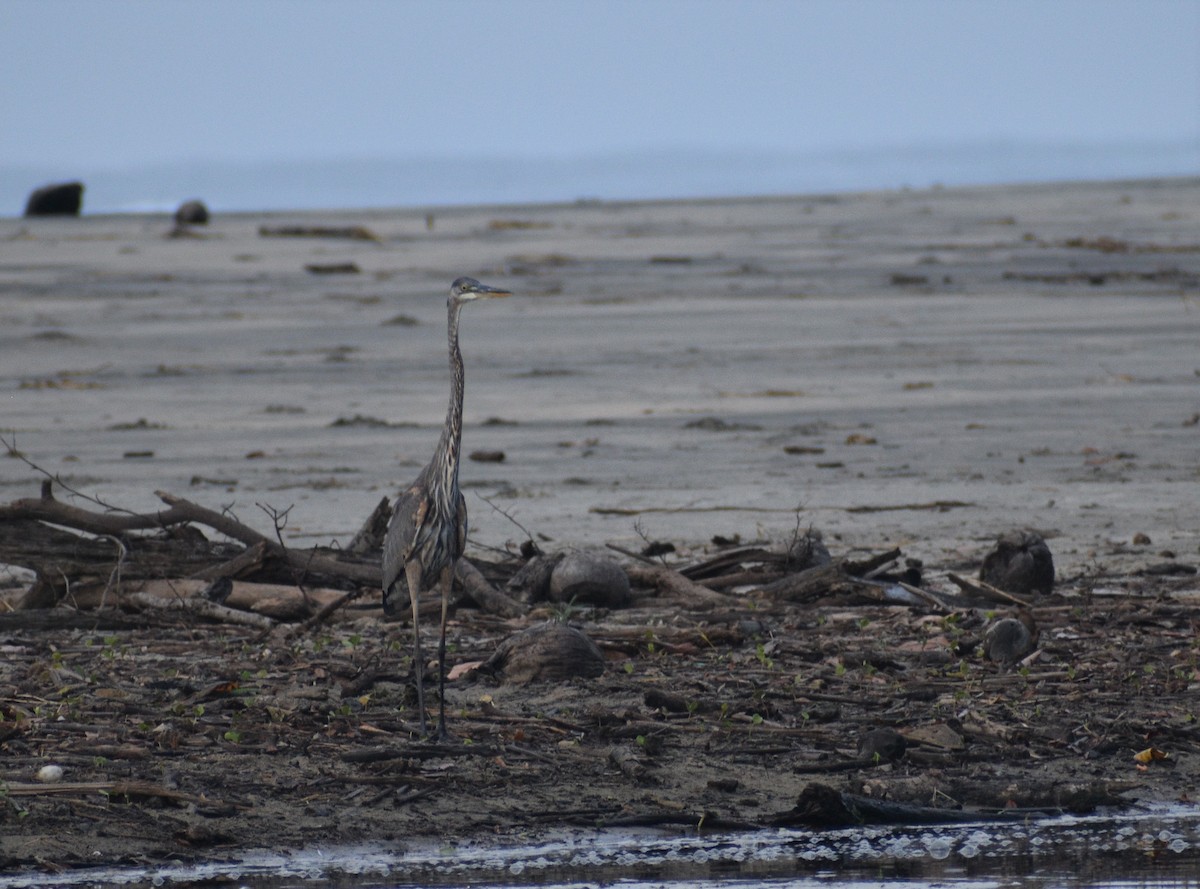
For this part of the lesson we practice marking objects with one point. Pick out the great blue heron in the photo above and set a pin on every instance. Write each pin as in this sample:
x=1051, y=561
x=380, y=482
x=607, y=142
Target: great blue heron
x=428, y=528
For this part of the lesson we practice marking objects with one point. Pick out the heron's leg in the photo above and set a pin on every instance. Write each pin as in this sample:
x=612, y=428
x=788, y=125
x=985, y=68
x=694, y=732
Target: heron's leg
x=412, y=571
x=447, y=580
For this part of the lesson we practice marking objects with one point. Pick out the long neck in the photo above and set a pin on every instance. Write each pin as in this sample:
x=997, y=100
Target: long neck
x=446, y=455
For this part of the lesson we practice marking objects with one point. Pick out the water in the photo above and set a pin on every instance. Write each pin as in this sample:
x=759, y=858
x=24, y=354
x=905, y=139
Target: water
x=1157, y=848
x=427, y=181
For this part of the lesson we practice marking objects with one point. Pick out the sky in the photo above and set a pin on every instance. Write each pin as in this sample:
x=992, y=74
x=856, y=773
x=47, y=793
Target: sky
x=120, y=83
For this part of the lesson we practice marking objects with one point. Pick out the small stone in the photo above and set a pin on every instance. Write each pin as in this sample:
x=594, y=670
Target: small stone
x=1140, y=539
x=1008, y=640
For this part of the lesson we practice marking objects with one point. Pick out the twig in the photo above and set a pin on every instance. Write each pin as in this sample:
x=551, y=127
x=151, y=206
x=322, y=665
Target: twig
x=278, y=520
x=116, y=572
x=326, y=612
x=632, y=554
x=528, y=534
x=53, y=478
x=986, y=590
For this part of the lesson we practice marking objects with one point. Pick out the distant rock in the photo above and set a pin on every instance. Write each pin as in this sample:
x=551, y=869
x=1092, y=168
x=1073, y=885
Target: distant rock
x=192, y=212
x=1020, y=563
x=60, y=199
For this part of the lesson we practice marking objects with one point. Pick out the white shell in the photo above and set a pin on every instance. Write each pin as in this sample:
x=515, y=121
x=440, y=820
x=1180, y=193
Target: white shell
x=50, y=774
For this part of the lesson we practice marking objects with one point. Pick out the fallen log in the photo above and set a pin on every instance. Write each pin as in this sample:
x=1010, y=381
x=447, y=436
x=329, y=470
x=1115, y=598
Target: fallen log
x=483, y=594
x=202, y=608
x=821, y=806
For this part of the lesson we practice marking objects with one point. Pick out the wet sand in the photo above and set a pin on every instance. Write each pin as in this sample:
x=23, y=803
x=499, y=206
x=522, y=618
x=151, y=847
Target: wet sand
x=667, y=370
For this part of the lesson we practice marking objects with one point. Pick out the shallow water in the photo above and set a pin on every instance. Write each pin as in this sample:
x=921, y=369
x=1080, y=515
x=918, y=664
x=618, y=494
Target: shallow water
x=1152, y=847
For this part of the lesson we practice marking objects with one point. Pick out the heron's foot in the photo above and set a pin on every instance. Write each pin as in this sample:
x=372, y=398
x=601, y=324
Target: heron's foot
x=441, y=736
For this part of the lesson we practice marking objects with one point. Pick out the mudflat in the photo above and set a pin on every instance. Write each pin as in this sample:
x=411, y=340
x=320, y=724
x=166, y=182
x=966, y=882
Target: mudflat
x=916, y=370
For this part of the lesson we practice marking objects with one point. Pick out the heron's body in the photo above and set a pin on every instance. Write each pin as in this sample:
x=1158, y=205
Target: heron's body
x=428, y=528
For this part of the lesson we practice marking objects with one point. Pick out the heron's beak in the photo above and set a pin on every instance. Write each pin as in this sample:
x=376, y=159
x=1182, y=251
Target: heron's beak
x=486, y=292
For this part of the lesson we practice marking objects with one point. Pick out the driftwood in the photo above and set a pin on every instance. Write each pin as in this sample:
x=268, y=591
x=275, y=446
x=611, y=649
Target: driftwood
x=202, y=608
x=106, y=558
x=483, y=594
x=350, y=232
x=673, y=585
x=822, y=806
x=28, y=539
x=839, y=576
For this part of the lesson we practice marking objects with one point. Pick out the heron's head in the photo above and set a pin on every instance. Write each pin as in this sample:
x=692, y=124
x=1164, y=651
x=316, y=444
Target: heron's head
x=467, y=289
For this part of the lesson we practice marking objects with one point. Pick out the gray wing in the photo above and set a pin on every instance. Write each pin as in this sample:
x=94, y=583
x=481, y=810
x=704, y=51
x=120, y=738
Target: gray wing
x=408, y=517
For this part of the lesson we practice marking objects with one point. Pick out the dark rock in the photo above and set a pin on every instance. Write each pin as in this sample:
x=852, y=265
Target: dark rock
x=1020, y=563
x=885, y=743
x=191, y=213
x=61, y=199
x=590, y=578
x=547, y=652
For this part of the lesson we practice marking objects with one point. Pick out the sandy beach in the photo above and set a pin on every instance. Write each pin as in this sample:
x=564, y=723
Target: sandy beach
x=672, y=370
x=912, y=370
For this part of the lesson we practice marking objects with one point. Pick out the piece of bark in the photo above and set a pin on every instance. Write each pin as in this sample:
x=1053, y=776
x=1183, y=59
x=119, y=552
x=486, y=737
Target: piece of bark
x=628, y=762
x=245, y=562
x=370, y=536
